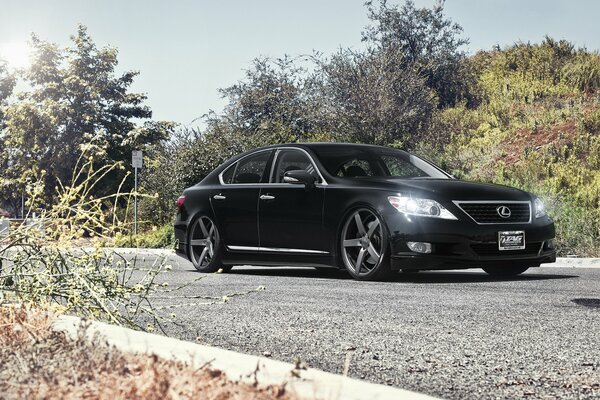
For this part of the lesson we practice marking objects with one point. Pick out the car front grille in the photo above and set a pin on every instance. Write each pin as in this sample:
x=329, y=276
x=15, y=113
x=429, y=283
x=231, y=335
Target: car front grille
x=491, y=249
x=487, y=212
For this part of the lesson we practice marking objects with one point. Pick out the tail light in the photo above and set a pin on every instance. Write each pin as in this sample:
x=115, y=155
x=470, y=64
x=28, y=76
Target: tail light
x=180, y=202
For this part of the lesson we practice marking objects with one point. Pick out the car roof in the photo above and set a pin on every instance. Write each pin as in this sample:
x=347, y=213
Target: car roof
x=316, y=145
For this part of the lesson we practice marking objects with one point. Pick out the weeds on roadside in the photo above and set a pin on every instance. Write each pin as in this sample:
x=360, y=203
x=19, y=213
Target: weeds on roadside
x=39, y=263
x=44, y=264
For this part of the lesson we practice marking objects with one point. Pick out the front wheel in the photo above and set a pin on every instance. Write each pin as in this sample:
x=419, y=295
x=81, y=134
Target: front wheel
x=505, y=271
x=363, y=244
x=205, y=245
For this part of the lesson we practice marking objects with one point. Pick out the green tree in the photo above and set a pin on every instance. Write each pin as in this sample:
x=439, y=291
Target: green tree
x=7, y=83
x=371, y=99
x=271, y=101
x=75, y=100
x=424, y=40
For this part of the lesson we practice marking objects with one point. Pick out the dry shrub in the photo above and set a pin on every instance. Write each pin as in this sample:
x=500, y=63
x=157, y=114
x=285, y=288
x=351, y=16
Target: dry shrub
x=40, y=363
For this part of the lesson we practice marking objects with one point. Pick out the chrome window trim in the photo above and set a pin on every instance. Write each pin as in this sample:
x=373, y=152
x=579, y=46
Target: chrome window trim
x=275, y=249
x=312, y=161
x=237, y=162
x=277, y=149
x=457, y=204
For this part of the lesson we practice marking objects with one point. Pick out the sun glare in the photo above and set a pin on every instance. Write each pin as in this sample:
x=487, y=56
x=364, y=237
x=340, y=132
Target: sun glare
x=15, y=54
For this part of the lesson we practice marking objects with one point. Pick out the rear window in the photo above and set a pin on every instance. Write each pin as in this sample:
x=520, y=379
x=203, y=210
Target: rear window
x=250, y=169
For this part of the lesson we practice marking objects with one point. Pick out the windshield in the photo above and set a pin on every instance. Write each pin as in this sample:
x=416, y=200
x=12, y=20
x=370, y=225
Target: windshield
x=358, y=161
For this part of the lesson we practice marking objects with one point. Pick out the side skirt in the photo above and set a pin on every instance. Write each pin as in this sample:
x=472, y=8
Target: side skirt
x=277, y=259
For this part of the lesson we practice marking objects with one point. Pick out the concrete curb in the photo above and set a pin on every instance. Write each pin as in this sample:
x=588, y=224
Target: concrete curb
x=305, y=383
x=134, y=250
x=575, y=262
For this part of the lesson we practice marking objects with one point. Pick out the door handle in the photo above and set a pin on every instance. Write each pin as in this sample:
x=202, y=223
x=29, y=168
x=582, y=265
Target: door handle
x=219, y=197
x=267, y=197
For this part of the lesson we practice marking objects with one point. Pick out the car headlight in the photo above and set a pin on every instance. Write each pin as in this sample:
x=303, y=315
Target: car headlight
x=540, y=209
x=421, y=207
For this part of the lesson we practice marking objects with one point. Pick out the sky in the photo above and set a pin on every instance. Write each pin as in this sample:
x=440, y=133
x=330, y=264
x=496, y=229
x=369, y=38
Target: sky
x=187, y=50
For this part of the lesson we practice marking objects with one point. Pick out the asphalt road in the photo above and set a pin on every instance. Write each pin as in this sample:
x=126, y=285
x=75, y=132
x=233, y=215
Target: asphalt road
x=451, y=334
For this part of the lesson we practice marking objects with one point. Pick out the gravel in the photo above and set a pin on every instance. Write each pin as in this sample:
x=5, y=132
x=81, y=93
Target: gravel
x=449, y=334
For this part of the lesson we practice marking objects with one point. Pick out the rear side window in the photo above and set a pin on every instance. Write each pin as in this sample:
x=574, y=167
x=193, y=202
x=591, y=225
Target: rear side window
x=228, y=174
x=247, y=170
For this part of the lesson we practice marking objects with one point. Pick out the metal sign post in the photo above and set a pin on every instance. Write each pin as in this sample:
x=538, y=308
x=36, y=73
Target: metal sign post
x=136, y=162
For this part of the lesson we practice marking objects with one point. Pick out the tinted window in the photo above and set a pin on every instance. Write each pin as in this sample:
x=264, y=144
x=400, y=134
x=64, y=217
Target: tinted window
x=355, y=167
x=228, y=174
x=248, y=170
x=400, y=167
x=291, y=160
x=358, y=161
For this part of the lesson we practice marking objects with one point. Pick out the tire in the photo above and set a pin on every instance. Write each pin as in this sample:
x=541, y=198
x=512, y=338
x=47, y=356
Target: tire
x=364, y=246
x=204, y=245
x=505, y=271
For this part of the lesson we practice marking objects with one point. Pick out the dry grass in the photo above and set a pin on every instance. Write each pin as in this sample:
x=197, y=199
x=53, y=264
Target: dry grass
x=39, y=363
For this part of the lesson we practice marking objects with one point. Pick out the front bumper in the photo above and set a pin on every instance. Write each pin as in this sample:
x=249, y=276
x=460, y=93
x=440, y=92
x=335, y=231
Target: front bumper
x=458, y=244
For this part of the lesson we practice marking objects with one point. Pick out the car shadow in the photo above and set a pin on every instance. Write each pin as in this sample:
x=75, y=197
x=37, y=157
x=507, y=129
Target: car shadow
x=429, y=277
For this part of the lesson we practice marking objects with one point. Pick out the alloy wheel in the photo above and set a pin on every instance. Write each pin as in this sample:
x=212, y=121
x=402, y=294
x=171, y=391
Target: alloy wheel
x=204, y=239
x=362, y=242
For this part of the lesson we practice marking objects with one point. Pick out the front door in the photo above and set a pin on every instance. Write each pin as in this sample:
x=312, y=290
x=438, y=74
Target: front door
x=290, y=216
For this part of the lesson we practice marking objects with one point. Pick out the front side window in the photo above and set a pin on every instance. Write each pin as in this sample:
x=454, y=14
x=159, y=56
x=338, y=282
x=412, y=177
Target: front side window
x=291, y=160
x=247, y=170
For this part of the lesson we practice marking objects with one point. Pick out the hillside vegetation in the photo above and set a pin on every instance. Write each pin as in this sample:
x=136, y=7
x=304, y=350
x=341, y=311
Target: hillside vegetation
x=537, y=127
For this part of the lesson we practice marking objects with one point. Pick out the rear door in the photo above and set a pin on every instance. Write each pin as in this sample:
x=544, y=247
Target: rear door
x=236, y=203
x=290, y=216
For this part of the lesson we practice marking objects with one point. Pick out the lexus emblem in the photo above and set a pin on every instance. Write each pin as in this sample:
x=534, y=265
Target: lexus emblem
x=503, y=211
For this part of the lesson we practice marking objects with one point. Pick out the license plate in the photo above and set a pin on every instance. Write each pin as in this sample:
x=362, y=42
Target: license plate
x=511, y=240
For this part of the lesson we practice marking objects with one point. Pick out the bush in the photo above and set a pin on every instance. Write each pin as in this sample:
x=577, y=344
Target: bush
x=591, y=123
x=583, y=72
x=577, y=232
x=155, y=238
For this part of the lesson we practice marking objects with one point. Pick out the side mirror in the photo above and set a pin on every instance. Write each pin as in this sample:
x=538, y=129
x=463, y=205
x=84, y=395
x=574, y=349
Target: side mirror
x=300, y=176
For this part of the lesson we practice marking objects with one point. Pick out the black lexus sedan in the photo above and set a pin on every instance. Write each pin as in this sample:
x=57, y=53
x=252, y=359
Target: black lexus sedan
x=368, y=209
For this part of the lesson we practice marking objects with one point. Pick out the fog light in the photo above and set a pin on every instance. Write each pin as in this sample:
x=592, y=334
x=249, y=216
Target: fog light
x=419, y=247
x=550, y=244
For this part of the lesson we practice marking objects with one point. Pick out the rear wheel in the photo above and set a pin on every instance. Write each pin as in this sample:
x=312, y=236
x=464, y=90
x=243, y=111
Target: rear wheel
x=364, y=246
x=505, y=271
x=205, y=245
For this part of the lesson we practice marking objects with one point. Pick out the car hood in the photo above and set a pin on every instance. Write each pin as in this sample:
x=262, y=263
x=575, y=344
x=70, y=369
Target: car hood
x=448, y=189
